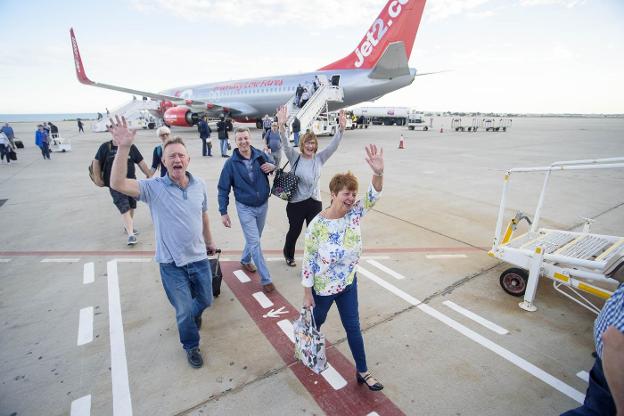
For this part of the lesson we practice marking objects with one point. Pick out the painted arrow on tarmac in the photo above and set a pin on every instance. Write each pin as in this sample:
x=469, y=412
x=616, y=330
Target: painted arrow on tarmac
x=275, y=314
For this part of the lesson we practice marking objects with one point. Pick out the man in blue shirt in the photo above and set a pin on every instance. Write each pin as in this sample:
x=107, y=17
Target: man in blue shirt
x=179, y=206
x=605, y=393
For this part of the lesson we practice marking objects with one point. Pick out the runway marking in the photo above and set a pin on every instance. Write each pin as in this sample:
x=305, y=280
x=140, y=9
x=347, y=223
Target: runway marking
x=5, y=260
x=492, y=346
x=241, y=276
x=122, y=402
x=386, y=269
x=478, y=319
x=135, y=260
x=395, y=290
x=88, y=273
x=350, y=399
x=446, y=256
x=85, y=326
x=583, y=375
x=373, y=414
x=262, y=300
x=60, y=260
x=81, y=406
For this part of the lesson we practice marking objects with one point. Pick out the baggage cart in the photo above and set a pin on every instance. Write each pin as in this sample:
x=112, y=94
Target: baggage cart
x=570, y=259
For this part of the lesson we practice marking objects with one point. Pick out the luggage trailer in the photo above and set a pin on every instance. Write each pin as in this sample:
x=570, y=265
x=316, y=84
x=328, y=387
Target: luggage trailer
x=565, y=257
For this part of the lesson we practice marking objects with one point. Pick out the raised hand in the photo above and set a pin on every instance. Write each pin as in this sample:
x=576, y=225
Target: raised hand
x=122, y=135
x=375, y=160
x=282, y=116
x=342, y=120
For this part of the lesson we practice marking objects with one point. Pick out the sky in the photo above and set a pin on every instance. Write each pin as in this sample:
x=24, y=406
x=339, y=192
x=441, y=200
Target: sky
x=518, y=56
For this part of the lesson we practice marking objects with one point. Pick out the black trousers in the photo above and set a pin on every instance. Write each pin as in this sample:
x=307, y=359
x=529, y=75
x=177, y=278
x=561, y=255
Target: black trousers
x=297, y=213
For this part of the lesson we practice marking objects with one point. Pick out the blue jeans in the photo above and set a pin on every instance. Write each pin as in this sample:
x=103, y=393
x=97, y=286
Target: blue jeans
x=296, y=138
x=223, y=144
x=189, y=289
x=347, y=303
x=252, y=222
x=598, y=400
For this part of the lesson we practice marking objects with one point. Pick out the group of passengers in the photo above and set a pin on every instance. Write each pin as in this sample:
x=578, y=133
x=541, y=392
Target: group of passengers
x=178, y=203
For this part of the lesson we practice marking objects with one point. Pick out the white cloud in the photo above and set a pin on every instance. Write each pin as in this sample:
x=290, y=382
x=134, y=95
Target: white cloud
x=565, y=3
x=310, y=14
x=441, y=9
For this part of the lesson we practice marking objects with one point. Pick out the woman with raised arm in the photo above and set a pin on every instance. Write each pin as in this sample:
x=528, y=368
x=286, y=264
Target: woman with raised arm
x=307, y=164
x=333, y=245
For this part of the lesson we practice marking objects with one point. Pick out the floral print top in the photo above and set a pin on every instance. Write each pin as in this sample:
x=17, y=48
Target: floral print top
x=333, y=248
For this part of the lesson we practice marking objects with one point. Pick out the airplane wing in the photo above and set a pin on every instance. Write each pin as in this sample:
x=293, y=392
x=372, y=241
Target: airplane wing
x=82, y=77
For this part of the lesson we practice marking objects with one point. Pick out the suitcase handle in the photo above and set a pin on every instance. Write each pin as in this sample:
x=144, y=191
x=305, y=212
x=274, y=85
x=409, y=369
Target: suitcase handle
x=217, y=251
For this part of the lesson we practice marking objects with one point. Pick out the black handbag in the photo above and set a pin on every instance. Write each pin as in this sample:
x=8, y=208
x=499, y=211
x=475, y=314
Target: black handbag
x=285, y=183
x=12, y=154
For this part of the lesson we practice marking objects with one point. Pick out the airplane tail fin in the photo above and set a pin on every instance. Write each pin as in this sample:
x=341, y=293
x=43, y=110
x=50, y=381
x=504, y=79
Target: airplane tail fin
x=397, y=23
x=80, y=71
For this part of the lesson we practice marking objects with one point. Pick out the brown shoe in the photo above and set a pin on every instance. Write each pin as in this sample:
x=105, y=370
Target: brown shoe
x=250, y=267
x=268, y=288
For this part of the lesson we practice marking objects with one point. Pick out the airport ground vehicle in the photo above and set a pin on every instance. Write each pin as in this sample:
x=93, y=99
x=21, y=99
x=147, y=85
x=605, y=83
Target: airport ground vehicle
x=494, y=124
x=388, y=116
x=568, y=258
x=59, y=144
x=458, y=125
x=327, y=123
x=416, y=121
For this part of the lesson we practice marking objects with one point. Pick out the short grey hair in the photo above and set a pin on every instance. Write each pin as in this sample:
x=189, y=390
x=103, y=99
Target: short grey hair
x=163, y=129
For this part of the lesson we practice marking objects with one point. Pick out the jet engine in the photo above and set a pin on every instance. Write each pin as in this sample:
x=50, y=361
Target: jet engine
x=180, y=116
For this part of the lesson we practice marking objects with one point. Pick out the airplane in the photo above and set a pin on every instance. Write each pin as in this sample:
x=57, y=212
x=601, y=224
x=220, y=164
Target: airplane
x=377, y=66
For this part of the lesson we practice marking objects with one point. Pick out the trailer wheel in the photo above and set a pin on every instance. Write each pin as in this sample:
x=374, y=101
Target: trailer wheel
x=514, y=281
x=425, y=128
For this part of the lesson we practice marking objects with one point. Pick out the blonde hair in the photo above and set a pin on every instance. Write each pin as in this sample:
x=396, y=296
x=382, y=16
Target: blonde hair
x=308, y=136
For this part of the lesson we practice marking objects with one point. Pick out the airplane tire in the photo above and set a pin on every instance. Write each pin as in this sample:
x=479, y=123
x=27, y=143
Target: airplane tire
x=514, y=281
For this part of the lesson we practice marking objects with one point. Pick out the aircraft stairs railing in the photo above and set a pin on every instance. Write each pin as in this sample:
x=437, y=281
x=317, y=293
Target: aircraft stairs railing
x=315, y=105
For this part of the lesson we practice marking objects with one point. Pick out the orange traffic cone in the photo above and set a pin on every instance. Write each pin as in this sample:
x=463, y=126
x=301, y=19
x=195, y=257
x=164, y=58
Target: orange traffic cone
x=402, y=143
x=441, y=130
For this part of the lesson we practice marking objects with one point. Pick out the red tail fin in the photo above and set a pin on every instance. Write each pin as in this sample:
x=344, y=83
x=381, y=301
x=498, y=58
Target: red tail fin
x=80, y=72
x=398, y=21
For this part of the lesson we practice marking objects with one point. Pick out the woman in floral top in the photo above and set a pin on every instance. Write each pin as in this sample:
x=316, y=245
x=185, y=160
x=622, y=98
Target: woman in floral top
x=333, y=245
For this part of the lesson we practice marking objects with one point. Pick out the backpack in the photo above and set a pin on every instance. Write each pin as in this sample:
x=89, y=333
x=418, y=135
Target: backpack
x=92, y=175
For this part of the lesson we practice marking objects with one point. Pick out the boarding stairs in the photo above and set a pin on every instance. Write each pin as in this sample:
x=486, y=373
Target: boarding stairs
x=138, y=114
x=315, y=105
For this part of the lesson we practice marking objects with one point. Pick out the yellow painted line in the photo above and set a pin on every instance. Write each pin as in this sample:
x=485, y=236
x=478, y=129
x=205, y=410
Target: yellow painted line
x=594, y=290
x=562, y=277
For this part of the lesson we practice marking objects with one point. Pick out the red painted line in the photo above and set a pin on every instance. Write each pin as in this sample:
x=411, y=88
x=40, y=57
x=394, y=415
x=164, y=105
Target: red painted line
x=148, y=253
x=353, y=399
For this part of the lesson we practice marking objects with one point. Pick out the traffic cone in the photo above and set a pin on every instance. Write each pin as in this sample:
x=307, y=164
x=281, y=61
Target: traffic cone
x=402, y=143
x=441, y=130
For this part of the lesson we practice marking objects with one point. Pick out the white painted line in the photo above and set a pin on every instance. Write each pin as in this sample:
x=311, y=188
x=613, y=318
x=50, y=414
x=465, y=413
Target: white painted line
x=478, y=319
x=85, y=326
x=262, y=300
x=506, y=354
x=373, y=414
x=375, y=257
x=135, y=260
x=386, y=269
x=60, y=260
x=583, y=375
x=497, y=349
x=446, y=256
x=5, y=260
x=81, y=406
x=88, y=273
x=122, y=402
x=333, y=377
x=408, y=298
x=287, y=326
x=242, y=276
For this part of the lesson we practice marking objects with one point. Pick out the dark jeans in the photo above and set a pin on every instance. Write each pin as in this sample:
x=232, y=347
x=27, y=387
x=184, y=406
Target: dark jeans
x=598, y=400
x=297, y=213
x=45, y=150
x=347, y=303
x=189, y=289
x=4, y=151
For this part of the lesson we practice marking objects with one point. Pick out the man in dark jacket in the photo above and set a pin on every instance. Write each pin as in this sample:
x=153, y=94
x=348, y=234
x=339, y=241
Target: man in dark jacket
x=222, y=133
x=246, y=172
x=296, y=128
x=204, y=135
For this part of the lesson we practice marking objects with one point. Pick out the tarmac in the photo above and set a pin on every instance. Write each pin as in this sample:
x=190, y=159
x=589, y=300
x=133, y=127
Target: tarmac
x=86, y=327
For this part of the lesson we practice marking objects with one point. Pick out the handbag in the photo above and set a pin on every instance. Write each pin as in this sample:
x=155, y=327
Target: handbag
x=12, y=154
x=309, y=342
x=285, y=183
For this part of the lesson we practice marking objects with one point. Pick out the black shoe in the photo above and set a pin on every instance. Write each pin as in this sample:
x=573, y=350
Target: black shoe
x=198, y=321
x=194, y=357
x=291, y=262
x=225, y=155
x=364, y=380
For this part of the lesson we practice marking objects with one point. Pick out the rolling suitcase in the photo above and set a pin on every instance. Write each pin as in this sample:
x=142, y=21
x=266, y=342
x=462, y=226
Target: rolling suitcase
x=217, y=276
x=19, y=144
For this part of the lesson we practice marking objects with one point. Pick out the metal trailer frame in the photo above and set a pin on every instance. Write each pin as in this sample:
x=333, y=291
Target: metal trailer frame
x=562, y=256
